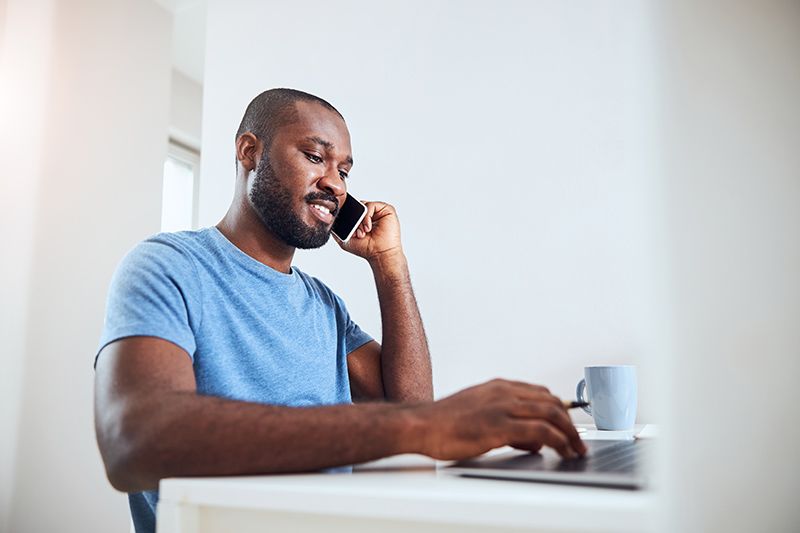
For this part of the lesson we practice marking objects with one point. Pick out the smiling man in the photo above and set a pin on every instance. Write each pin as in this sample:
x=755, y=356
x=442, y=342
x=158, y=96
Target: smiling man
x=218, y=357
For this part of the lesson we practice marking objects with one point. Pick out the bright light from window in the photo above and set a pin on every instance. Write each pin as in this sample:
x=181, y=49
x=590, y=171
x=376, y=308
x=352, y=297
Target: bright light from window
x=178, y=195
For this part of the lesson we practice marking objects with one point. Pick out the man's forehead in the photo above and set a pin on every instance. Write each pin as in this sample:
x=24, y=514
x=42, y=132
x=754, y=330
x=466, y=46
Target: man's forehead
x=315, y=122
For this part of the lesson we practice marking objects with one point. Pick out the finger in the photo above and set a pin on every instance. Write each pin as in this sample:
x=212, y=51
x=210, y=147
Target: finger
x=527, y=446
x=551, y=408
x=366, y=224
x=526, y=391
x=378, y=210
x=372, y=207
x=537, y=406
x=533, y=432
x=555, y=414
x=368, y=216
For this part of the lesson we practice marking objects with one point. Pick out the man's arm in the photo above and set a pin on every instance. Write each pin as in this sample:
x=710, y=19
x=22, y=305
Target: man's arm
x=152, y=424
x=405, y=360
x=404, y=369
x=364, y=371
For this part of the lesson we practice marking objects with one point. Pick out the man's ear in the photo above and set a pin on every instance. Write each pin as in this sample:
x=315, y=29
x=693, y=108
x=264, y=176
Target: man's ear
x=248, y=148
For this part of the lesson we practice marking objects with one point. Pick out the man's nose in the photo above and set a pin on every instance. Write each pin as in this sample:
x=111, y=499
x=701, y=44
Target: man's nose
x=333, y=183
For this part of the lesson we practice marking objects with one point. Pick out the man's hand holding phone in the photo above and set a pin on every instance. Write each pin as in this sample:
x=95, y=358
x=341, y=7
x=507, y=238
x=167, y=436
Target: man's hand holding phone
x=376, y=236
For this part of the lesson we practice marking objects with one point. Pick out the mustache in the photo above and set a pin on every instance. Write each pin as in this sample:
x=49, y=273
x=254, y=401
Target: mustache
x=324, y=196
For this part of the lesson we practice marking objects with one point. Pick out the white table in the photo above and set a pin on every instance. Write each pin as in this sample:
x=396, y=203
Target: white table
x=403, y=493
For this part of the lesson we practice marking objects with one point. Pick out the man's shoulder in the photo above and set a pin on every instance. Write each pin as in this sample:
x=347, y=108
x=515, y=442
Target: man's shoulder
x=181, y=241
x=167, y=251
x=190, y=242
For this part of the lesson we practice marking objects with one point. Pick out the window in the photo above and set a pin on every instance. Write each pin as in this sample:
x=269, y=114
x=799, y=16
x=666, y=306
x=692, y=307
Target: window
x=180, y=190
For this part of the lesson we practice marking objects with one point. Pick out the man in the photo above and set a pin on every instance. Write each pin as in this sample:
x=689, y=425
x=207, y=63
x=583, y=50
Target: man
x=218, y=357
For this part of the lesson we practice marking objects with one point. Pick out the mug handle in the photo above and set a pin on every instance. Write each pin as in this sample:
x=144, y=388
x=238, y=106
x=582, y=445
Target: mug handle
x=579, y=394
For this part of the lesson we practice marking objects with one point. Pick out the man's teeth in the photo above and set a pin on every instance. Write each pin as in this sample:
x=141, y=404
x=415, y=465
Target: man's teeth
x=321, y=208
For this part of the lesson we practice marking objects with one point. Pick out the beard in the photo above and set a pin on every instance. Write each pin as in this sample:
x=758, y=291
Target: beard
x=272, y=202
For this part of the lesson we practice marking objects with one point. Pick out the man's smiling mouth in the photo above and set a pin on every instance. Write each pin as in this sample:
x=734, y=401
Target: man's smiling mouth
x=323, y=210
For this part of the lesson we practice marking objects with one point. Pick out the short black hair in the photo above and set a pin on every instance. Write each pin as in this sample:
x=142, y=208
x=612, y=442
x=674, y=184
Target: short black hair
x=272, y=109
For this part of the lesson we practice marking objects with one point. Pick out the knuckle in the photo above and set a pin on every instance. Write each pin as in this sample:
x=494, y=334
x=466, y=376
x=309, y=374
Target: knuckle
x=520, y=433
x=540, y=388
x=523, y=408
x=538, y=430
x=552, y=436
x=553, y=411
x=498, y=387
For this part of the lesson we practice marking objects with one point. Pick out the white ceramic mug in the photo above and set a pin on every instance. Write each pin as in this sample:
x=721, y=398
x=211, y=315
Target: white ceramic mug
x=612, y=393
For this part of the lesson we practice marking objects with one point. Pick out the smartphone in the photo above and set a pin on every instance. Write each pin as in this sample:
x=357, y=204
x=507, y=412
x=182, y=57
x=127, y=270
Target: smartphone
x=350, y=215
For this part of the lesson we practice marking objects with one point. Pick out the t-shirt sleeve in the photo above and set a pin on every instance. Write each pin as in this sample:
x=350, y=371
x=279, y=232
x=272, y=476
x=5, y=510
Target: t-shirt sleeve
x=354, y=336
x=155, y=292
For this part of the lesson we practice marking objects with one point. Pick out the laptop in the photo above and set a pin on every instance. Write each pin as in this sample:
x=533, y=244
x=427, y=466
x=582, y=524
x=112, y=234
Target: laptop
x=608, y=463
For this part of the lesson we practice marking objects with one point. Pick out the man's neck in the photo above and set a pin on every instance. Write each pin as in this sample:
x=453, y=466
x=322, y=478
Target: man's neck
x=244, y=229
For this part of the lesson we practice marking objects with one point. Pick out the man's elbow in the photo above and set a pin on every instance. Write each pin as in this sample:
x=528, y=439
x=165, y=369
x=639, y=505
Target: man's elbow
x=125, y=450
x=119, y=477
x=125, y=468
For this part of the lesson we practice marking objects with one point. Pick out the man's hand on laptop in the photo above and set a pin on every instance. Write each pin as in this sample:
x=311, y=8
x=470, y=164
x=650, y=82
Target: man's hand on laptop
x=498, y=413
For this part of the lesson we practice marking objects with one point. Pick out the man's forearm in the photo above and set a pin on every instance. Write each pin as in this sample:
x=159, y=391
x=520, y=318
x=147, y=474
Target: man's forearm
x=184, y=434
x=405, y=360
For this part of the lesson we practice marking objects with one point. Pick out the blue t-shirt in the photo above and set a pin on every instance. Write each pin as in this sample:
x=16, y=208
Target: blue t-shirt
x=252, y=333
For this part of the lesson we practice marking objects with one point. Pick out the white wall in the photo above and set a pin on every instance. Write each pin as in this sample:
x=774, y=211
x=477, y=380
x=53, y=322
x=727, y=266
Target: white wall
x=185, y=110
x=25, y=38
x=84, y=184
x=731, y=102
x=514, y=140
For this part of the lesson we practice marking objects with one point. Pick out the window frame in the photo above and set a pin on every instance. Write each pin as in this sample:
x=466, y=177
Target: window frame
x=190, y=156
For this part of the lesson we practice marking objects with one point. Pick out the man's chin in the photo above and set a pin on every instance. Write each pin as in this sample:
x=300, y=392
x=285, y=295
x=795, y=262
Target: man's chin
x=297, y=232
x=311, y=241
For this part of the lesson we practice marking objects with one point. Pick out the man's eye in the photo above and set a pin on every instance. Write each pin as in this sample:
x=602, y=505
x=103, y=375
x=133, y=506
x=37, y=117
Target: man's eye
x=343, y=174
x=314, y=158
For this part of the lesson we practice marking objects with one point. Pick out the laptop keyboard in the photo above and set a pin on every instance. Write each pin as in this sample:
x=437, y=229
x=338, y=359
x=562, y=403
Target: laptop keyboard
x=606, y=456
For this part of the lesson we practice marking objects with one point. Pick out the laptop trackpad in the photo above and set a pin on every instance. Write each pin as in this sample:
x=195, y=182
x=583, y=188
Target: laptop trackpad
x=608, y=463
